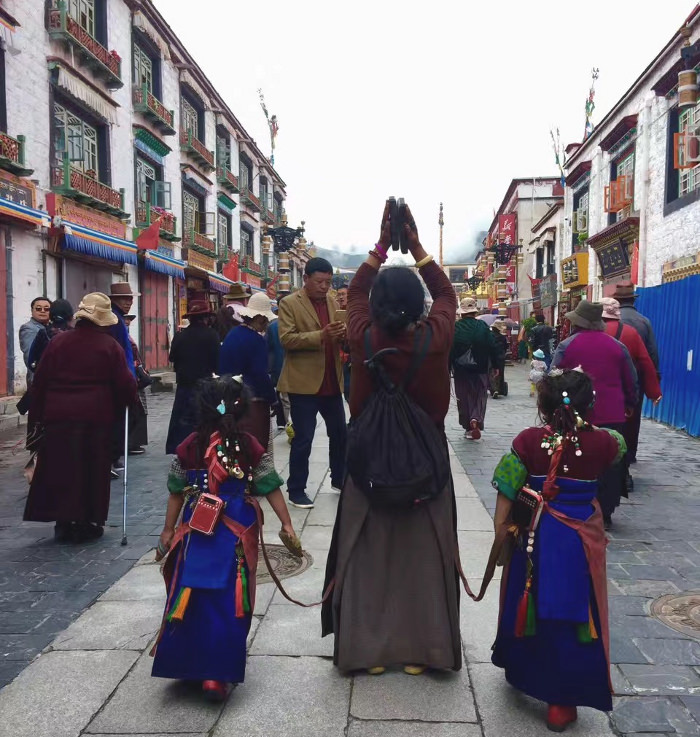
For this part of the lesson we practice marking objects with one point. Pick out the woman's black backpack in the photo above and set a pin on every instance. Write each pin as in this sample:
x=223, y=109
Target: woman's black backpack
x=396, y=454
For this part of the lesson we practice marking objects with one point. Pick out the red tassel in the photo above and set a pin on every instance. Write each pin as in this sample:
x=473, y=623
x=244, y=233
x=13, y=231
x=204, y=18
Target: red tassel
x=240, y=609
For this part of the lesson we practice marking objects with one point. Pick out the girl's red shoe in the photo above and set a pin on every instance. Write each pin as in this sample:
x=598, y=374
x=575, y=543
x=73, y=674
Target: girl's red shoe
x=559, y=717
x=214, y=690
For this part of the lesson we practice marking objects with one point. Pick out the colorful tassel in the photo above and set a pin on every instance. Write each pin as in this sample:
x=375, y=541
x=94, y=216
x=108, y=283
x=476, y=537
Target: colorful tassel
x=521, y=616
x=240, y=596
x=530, y=626
x=177, y=612
x=246, y=598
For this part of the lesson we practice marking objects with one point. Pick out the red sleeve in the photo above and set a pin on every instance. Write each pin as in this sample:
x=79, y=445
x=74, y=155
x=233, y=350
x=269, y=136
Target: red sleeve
x=188, y=452
x=443, y=313
x=358, y=302
x=523, y=442
x=648, y=378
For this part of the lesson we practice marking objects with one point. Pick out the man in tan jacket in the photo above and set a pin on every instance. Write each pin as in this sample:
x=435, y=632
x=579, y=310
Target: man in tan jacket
x=312, y=376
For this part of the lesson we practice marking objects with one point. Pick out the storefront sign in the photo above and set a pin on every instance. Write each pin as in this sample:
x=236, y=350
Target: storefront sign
x=548, y=291
x=614, y=259
x=72, y=212
x=506, y=228
x=200, y=261
x=574, y=270
x=21, y=194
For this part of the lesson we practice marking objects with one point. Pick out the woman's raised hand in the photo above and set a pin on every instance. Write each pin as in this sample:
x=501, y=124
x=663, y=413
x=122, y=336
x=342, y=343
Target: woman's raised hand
x=410, y=232
x=385, y=230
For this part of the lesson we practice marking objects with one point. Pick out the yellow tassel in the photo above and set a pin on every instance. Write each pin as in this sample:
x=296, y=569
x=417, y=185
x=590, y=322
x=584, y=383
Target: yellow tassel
x=591, y=624
x=177, y=613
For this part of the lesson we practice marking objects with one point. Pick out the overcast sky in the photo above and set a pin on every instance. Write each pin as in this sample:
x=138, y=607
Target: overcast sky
x=440, y=101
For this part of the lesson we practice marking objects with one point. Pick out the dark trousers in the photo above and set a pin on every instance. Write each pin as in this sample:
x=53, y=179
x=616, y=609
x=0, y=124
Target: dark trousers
x=280, y=419
x=631, y=432
x=611, y=484
x=304, y=409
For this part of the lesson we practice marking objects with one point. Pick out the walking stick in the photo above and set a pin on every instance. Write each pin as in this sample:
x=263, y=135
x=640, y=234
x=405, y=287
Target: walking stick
x=126, y=466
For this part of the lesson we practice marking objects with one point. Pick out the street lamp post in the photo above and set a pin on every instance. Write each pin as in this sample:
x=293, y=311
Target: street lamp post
x=284, y=239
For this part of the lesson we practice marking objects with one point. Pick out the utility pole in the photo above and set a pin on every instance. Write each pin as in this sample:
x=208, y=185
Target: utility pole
x=441, y=222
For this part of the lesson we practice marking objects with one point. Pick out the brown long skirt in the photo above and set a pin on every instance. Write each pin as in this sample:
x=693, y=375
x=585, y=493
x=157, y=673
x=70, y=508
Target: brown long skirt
x=396, y=597
x=471, y=391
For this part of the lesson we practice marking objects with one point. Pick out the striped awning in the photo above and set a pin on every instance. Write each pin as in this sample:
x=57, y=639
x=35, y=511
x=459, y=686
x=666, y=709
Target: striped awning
x=22, y=212
x=219, y=282
x=93, y=243
x=164, y=264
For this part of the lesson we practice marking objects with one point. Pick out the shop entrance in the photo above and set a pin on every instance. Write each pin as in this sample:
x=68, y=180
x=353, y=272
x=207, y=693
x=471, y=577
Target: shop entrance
x=155, y=311
x=82, y=277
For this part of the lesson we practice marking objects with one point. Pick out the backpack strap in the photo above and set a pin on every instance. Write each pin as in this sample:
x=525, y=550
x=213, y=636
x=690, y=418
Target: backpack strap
x=620, y=326
x=419, y=353
x=368, y=343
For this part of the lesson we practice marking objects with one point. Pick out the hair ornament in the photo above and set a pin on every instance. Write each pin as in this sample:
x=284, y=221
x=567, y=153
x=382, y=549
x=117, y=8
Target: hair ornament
x=221, y=408
x=238, y=379
x=579, y=368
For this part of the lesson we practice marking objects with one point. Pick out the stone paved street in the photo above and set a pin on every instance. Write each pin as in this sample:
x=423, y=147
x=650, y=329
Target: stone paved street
x=98, y=634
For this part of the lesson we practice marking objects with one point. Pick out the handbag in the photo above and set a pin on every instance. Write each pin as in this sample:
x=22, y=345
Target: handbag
x=206, y=513
x=466, y=360
x=527, y=509
x=143, y=378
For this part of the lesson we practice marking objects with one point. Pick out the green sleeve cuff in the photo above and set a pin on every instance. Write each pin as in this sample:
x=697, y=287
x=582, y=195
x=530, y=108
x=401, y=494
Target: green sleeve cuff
x=621, y=444
x=267, y=483
x=177, y=477
x=510, y=476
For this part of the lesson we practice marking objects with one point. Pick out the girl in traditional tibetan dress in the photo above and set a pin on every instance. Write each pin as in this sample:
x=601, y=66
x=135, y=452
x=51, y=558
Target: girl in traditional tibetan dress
x=553, y=639
x=210, y=577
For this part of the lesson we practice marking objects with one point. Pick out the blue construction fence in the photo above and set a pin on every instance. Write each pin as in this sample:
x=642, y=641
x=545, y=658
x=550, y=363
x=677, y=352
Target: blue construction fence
x=674, y=311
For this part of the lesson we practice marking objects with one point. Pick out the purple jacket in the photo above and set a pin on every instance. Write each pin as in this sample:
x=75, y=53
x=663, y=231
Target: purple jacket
x=610, y=366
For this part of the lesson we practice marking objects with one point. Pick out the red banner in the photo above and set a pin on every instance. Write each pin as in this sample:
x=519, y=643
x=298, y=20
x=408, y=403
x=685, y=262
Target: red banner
x=506, y=228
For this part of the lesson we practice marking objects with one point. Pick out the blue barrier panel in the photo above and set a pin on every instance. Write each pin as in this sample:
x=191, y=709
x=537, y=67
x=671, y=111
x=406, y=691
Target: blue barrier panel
x=674, y=311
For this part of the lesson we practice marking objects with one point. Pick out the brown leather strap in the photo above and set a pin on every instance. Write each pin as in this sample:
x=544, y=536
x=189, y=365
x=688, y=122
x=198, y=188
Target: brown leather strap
x=494, y=555
x=273, y=576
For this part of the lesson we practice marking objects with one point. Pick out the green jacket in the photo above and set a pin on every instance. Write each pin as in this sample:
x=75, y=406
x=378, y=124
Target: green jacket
x=474, y=334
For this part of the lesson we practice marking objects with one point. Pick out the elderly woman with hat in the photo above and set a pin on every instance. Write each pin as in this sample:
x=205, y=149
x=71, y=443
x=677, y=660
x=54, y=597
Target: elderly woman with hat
x=194, y=354
x=245, y=353
x=474, y=347
x=81, y=386
x=614, y=376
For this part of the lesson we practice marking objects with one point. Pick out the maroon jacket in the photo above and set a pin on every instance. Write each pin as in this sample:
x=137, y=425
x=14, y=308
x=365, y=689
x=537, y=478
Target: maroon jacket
x=82, y=377
x=430, y=388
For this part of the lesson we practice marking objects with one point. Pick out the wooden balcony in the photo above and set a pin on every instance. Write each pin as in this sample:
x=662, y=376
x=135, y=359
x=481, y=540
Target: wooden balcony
x=267, y=216
x=251, y=267
x=249, y=200
x=145, y=212
x=199, y=242
x=227, y=179
x=83, y=187
x=105, y=64
x=197, y=150
x=12, y=155
x=146, y=103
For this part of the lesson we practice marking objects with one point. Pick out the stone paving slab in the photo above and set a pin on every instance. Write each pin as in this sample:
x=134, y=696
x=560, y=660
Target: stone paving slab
x=654, y=714
x=359, y=728
x=288, y=630
x=668, y=652
x=140, y=583
x=307, y=587
x=474, y=550
x=506, y=711
x=478, y=623
x=152, y=705
x=114, y=625
x=434, y=696
x=662, y=680
x=287, y=697
x=471, y=515
x=59, y=693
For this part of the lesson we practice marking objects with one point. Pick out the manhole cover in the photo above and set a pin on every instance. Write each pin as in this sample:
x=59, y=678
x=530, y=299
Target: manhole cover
x=681, y=612
x=283, y=563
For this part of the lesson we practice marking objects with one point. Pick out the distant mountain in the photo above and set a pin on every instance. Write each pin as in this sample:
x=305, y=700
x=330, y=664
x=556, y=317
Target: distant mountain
x=341, y=259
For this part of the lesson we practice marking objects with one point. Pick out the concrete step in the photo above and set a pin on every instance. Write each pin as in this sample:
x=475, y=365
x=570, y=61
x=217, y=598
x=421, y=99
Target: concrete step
x=12, y=421
x=8, y=405
x=163, y=381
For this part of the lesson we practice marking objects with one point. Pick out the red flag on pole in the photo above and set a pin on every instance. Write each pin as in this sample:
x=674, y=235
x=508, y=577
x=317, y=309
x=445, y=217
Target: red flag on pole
x=230, y=270
x=148, y=239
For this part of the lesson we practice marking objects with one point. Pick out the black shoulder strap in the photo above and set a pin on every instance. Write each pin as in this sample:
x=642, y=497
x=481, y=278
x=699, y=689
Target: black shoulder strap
x=368, y=344
x=620, y=326
x=419, y=353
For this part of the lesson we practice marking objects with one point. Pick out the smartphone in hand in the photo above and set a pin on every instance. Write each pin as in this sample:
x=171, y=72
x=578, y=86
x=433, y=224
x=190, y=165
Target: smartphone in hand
x=341, y=316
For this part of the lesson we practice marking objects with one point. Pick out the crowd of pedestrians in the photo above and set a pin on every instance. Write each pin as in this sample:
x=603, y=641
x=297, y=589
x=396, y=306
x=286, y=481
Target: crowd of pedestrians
x=394, y=550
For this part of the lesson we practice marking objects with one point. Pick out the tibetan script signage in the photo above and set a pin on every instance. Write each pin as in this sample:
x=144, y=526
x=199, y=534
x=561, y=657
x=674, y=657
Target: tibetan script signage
x=614, y=259
x=548, y=290
x=574, y=270
x=20, y=194
x=506, y=228
x=72, y=212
